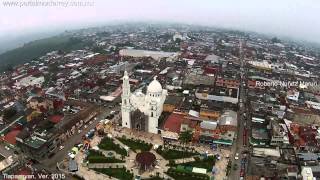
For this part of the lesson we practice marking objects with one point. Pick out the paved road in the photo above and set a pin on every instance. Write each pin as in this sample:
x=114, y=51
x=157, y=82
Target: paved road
x=50, y=163
x=4, y=152
x=241, y=142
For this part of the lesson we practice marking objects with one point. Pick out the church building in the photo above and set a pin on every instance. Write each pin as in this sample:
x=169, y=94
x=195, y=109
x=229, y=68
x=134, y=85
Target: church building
x=141, y=111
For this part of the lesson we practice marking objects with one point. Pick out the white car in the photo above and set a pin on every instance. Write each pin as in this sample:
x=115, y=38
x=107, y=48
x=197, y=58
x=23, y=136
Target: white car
x=61, y=147
x=71, y=155
x=236, y=157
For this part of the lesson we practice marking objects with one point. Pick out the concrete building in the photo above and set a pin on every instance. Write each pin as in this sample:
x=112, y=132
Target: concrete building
x=142, y=111
x=29, y=81
x=279, y=135
x=143, y=53
x=306, y=173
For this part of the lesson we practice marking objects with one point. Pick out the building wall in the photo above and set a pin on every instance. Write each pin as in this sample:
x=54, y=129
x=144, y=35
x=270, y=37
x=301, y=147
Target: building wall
x=228, y=128
x=210, y=114
x=205, y=96
x=151, y=104
x=46, y=104
x=230, y=83
x=169, y=107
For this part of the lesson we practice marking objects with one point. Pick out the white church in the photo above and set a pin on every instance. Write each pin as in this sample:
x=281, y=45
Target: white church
x=141, y=111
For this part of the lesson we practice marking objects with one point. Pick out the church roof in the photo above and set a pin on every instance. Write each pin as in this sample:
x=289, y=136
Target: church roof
x=154, y=86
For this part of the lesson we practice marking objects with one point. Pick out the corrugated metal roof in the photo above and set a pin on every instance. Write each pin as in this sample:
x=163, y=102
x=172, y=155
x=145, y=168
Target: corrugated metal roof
x=208, y=125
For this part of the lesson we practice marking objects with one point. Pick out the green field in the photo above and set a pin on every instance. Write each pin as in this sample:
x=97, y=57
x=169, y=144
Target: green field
x=108, y=145
x=207, y=163
x=135, y=144
x=98, y=157
x=174, y=154
x=185, y=175
x=119, y=173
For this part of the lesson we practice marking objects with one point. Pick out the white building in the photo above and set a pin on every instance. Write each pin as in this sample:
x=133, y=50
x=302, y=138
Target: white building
x=306, y=173
x=142, y=111
x=157, y=55
x=29, y=81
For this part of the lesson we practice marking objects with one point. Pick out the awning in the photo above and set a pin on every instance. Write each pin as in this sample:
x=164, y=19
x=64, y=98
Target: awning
x=222, y=141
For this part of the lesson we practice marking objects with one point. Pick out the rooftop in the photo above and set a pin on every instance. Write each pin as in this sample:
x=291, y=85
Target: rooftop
x=173, y=122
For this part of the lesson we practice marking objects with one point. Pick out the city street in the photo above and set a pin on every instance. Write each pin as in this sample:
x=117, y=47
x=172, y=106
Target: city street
x=241, y=142
x=76, y=138
x=4, y=152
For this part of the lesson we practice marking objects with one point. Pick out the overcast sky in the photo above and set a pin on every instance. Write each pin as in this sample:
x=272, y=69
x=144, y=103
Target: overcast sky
x=299, y=19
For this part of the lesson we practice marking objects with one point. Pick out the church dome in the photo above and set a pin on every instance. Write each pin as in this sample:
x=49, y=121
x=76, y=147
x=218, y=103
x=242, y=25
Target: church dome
x=154, y=86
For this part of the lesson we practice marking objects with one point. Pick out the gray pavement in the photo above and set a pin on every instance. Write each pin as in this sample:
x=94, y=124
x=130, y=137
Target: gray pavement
x=4, y=152
x=238, y=145
x=51, y=163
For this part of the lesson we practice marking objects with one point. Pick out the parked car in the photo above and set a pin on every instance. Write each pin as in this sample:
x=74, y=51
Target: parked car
x=242, y=173
x=236, y=157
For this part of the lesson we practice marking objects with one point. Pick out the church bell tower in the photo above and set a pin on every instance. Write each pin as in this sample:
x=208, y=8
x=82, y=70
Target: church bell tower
x=125, y=106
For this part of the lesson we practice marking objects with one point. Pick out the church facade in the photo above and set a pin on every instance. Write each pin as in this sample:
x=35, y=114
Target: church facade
x=141, y=111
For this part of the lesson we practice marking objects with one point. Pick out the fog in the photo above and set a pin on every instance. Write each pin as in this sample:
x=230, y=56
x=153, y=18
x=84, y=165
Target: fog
x=298, y=19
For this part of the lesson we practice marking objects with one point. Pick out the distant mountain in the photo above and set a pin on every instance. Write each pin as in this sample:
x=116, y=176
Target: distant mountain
x=35, y=49
x=14, y=40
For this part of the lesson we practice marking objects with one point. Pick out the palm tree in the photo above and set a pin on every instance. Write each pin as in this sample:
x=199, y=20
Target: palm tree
x=185, y=137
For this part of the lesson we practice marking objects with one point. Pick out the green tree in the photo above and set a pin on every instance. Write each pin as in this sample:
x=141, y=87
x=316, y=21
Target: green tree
x=185, y=137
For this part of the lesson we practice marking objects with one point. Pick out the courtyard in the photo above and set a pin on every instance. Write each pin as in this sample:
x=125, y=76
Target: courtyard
x=115, y=156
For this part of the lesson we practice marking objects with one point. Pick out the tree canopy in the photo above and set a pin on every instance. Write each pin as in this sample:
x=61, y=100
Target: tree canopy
x=185, y=136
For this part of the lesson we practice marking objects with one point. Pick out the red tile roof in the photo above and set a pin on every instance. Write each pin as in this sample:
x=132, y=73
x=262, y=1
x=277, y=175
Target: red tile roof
x=56, y=118
x=173, y=122
x=11, y=136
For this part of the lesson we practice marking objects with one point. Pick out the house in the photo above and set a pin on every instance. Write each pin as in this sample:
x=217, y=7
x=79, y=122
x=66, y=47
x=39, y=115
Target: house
x=306, y=173
x=228, y=121
x=40, y=103
x=207, y=131
x=171, y=103
x=279, y=134
x=292, y=171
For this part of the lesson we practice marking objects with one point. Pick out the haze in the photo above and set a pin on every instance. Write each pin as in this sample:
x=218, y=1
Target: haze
x=287, y=18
